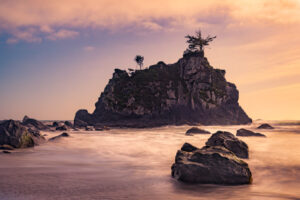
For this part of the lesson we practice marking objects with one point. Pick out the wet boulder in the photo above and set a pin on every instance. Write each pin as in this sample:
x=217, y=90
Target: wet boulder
x=33, y=123
x=265, y=126
x=210, y=165
x=230, y=142
x=195, y=130
x=14, y=134
x=244, y=133
x=59, y=136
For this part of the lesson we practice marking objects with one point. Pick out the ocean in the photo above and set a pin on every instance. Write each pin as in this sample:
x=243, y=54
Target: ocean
x=136, y=164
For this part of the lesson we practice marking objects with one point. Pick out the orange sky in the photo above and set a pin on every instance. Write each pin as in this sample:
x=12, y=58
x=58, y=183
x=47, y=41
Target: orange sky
x=258, y=44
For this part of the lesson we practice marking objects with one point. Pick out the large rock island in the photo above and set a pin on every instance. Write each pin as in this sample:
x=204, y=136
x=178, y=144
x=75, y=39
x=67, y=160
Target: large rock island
x=189, y=91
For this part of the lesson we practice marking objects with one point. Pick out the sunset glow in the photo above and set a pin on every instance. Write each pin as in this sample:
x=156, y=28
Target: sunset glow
x=57, y=56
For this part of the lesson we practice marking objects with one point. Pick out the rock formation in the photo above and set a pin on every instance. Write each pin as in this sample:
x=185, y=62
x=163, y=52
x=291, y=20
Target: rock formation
x=33, y=123
x=230, y=142
x=14, y=134
x=189, y=91
x=210, y=165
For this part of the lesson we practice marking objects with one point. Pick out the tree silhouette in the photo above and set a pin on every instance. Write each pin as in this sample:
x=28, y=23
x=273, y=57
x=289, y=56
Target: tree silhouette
x=197, y=43
x=139, y=60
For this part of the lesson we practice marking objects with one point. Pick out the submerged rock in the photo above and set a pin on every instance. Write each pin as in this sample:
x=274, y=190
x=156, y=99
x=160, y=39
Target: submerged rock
x=62, y=128
x=189, y=91
x=89, y=128
x=33, y=123
x=230, y=142
x=13, y=133
x=210, y=165
x=265, y=126
x=59, y=136
x=195, y=130
x=245, y=132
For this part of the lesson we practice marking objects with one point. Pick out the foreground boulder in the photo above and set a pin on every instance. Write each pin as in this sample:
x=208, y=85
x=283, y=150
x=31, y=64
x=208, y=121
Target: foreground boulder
x=265, y=126
x=59, y=136
x=33, y=123
x=244, y=132
x=14, y=134
x=195, y=130
x=230, y=142
x=210, y=165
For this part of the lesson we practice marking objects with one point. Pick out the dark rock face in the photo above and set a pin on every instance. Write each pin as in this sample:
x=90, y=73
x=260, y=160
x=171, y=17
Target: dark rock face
x=265, y=126
x=55, y=124
x=13, y=133
x=189, y=91
x=62, y=128
x=188, y=147
x=33, y=123
x=230, y=142
x=59, y=136
x=196, y=130
x=245, y=133
x=210, y=165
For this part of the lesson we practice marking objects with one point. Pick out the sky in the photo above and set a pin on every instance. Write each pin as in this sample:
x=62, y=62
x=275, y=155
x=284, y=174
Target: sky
x=57, y=56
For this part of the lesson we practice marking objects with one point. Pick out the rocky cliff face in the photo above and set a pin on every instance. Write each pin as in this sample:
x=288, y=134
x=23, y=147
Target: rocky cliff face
x=189, y=91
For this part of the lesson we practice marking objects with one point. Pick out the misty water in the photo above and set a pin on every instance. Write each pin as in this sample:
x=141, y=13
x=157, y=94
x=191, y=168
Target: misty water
x=136, y=164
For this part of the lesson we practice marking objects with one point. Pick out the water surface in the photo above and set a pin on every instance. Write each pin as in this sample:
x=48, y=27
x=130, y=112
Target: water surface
x=136, y=164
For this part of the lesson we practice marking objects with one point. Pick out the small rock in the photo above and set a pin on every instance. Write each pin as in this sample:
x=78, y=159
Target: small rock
x=69, y=124
x=59, y=136
x=188, y=147
x=230, y=142
x=55, y=124
x=196, y=130
x=6, y=151
x=265, y=126
x=244, y=132
x=89, y=128
x=62, y=128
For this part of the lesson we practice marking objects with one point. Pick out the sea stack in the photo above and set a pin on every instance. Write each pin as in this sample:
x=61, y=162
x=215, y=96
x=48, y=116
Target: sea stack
x=189, y=91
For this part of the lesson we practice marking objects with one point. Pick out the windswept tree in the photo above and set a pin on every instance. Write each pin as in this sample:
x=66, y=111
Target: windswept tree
x=139, y=60
x=197, y=43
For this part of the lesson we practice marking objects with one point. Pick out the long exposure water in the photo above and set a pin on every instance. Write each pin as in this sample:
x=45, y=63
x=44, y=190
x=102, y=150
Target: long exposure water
x=136, y=164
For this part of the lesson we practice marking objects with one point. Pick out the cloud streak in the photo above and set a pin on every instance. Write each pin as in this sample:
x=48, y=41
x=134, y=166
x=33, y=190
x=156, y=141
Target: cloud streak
x=33, y=20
